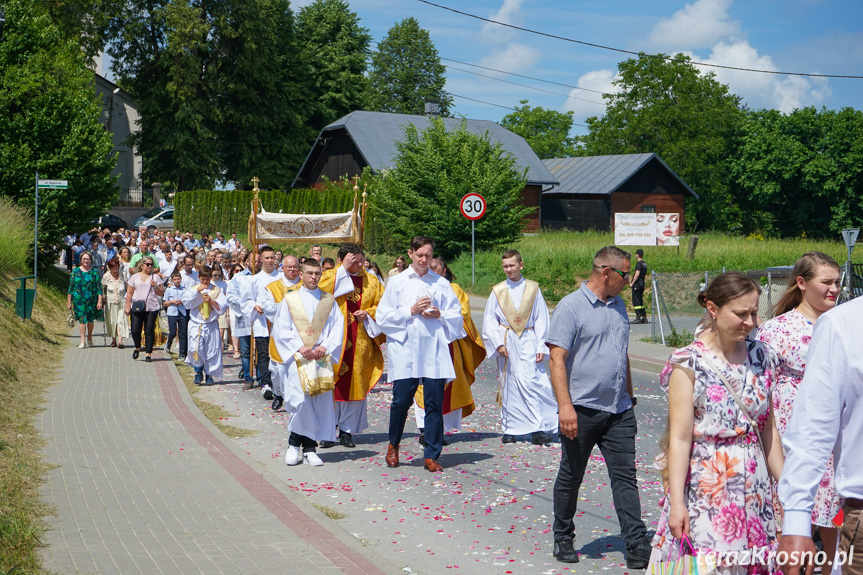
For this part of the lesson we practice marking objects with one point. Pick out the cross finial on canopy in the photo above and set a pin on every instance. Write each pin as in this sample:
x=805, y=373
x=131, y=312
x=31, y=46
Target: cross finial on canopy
x=255, y=182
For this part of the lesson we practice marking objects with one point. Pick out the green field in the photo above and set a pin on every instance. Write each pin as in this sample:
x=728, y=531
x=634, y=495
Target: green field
x=559, y=260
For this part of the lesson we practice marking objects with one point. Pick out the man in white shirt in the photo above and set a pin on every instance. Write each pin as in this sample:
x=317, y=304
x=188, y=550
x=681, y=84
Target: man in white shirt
x=260, y=329
x=827, y=418
x=219, y=242
x=188, y=275
x=232, y=243
x=514, y=330
x=302, y=328
x=421, y=316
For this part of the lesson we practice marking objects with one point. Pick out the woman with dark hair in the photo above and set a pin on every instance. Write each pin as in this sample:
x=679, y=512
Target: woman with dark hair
x=114, y=286
x=142, y=305
x=723, y=444
x=85, y=298
x=812, y=290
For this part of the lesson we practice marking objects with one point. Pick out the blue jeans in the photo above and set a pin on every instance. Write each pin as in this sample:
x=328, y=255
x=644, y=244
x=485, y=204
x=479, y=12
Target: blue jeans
x=403, y=398
x=245, y=354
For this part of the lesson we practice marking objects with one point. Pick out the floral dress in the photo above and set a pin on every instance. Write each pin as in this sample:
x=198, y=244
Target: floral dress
x=85, y=288
x=788, y=335
x=728, y=490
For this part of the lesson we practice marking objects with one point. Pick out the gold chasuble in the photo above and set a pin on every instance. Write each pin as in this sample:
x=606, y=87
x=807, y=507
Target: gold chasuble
x=362, y=363
x=278, y=289
x=467, y=353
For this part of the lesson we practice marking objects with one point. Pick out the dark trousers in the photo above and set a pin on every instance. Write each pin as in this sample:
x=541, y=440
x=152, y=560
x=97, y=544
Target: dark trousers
x=262, y=365
x=147, y=321
x=308, y=444
x=638, y=300
x=245, y=354
x=403, y=398
x=70, y=259
x=614, y=433
x=178, y=327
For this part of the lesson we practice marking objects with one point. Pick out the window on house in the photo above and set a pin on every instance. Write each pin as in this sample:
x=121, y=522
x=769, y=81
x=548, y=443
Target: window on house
x=648, y=209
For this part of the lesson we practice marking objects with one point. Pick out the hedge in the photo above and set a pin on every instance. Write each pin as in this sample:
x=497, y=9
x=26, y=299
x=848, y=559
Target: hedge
x=208, y=211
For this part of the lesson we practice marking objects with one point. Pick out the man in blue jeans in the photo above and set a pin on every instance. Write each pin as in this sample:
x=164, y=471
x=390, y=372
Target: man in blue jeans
x=421, y=316
x=588, y=341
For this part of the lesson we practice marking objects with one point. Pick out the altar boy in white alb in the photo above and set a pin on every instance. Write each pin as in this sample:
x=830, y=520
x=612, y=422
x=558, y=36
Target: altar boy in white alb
x=308, y=324
x=514, y=329
x=205, y=303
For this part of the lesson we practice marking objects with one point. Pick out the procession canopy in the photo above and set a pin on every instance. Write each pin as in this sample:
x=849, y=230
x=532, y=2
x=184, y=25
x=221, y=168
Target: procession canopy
x=305, y=228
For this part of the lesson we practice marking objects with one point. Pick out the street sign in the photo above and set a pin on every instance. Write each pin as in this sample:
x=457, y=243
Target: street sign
x=53, y=184
x=472, y=206
x=850, y=237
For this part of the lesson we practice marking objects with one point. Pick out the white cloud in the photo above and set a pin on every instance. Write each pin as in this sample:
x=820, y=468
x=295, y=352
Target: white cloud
x=509, y=13
x=512, y=58
x=708, y=24
x=698, y=25
x=586, y=104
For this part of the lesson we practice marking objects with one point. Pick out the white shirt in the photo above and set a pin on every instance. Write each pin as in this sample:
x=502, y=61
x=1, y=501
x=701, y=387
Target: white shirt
x=237, y=287
x=419, y=346
x=189, y=280
x=219, y=245
x=232, y=244
x=257, y=293
x=827, y=417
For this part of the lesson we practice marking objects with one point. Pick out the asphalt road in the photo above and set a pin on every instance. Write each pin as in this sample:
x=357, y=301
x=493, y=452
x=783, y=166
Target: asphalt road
x=490, y=512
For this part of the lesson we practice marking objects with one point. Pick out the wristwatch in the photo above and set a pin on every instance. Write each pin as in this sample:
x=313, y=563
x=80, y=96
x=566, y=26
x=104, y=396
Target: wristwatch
x=634, y=401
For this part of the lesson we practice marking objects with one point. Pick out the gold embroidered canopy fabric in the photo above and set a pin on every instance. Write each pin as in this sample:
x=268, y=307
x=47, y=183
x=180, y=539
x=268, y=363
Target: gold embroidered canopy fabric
x=307, y=227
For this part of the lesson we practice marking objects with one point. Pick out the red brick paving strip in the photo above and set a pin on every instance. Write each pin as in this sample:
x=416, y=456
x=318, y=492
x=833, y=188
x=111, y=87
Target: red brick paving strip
x=280, y=506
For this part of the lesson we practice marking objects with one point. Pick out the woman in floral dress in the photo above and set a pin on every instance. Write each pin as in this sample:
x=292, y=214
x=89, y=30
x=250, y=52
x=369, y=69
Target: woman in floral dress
x=720, y=493
x=812, y=290
x=85, y=298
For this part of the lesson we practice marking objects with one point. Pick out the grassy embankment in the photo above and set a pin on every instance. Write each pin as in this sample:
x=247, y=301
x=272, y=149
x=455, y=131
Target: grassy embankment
x=24, y=374
x=560, y=260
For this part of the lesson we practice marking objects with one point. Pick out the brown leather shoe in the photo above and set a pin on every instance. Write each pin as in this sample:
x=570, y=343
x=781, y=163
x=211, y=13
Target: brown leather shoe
x=392, y=456
x=433, y=465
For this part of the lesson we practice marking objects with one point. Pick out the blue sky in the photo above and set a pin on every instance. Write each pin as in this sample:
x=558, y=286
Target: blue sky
x=812, y=36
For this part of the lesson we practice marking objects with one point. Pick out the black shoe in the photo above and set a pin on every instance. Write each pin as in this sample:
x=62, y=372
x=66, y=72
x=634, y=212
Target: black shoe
x=135, y=354
x=638, y=557
x=540, y=438
x=267, y=392
x=181, y=358
x=346, y=439
x=210, y=380
x=422, y=439
x=326, y=444
x=565, y=552
x=507, y=439
x=278, y=402
x=199, y=378
x=148, y=359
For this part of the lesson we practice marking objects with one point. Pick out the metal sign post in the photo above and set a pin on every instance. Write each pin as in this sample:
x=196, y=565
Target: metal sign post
x=42, y=185
x=850, y=237
x=472, y=207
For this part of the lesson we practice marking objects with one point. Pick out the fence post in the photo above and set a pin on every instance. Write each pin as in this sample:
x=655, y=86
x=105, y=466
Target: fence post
x=769, y=291
x=655, y=287
x=157, y=196
x=653, y=314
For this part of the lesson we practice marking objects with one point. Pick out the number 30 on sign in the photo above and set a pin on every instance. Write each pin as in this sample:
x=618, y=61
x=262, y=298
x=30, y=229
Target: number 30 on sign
x=472, y=206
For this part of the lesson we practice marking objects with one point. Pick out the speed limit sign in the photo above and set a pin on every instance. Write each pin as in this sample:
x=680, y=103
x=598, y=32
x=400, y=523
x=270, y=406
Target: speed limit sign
x=472, y=206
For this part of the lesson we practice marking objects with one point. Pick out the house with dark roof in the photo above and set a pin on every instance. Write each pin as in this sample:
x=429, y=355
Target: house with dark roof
x=362, y=139
x=593, y=188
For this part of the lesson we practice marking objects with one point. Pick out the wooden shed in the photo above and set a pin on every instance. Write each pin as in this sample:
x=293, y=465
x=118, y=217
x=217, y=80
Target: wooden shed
x=593, y=188
x=362, y=139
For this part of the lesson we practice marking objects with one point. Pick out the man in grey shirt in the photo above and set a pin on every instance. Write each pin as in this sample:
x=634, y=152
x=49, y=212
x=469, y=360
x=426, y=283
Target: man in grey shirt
x=588, y=341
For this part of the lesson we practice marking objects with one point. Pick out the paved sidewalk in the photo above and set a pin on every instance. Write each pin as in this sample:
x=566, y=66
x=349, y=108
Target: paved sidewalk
x=144, y=484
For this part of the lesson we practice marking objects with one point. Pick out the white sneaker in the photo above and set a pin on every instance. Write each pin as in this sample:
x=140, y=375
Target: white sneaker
x=311, y=458
x=292, y=455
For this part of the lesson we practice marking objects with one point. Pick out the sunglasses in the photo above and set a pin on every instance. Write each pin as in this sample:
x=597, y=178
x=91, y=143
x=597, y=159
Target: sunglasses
x=622, y=273
x=147, y=264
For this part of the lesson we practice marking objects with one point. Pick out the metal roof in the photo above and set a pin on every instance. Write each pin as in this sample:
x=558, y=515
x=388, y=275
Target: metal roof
x=600, y=175
x=375, y=135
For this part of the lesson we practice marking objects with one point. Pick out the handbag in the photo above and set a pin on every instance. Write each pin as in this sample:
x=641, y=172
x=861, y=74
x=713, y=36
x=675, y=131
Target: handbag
x=140, y=305
x=70, y=319
x=683, y=564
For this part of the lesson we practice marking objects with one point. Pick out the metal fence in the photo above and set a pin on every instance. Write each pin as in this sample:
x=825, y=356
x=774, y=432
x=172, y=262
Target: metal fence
x=136, y=198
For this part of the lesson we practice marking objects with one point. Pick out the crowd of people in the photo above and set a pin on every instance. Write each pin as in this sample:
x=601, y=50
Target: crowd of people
x=757, y=411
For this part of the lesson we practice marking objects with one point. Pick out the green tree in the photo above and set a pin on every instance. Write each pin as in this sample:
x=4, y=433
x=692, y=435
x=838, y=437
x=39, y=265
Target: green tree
x=49, y=122
x=335, y=48
x=546, y=131
x=433, y=171
x=801, y=173
x=406, y=71
x=261, y=94
x=665, y=106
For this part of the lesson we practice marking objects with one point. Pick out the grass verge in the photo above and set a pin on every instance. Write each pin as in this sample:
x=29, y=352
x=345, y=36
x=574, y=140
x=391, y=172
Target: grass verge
x=330, y=512
x=215, y=413
x=24, y=374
